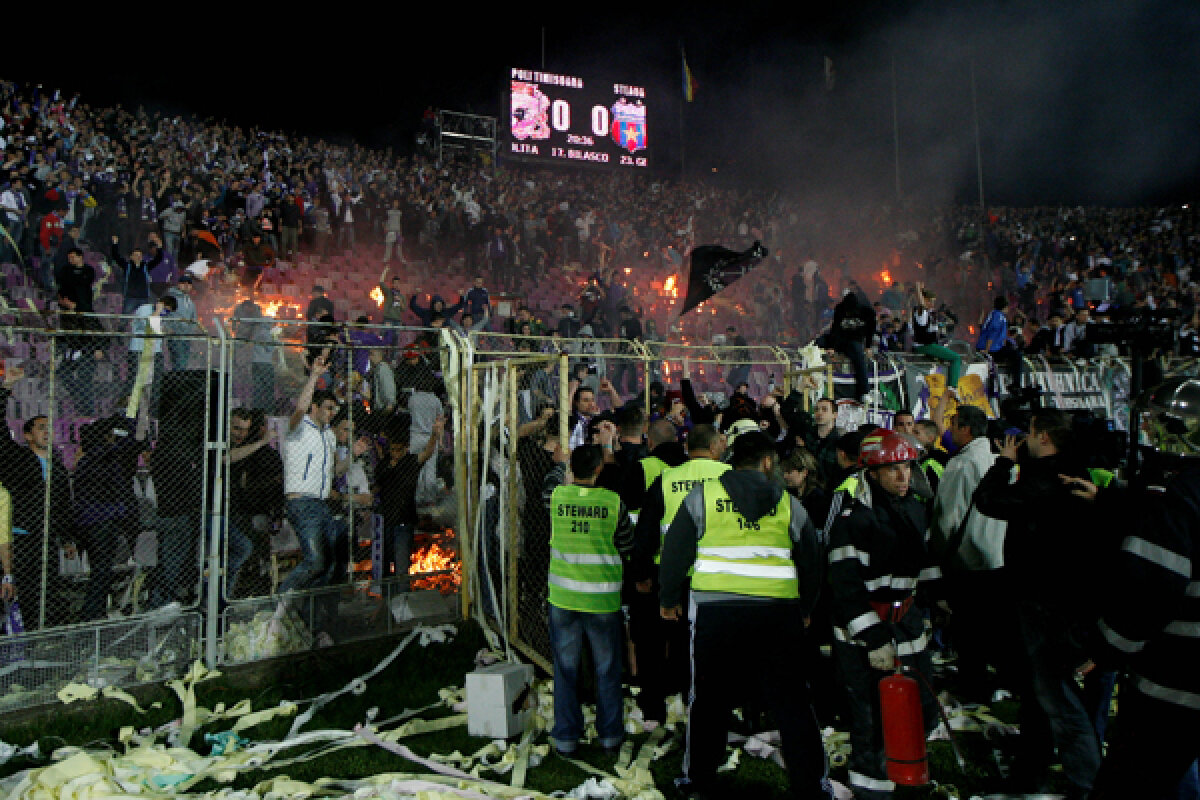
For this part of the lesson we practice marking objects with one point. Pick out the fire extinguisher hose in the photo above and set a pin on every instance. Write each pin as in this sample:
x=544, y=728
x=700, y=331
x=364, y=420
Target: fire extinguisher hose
x=962, y=764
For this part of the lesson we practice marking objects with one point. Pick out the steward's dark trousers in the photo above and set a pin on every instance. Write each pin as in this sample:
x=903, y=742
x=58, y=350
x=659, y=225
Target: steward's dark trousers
x=661, y=648
x=739, y=649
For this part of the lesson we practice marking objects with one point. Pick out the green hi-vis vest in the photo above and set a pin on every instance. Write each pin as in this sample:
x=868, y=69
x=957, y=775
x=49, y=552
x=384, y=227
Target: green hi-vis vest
x=652, y=467
x=849, y=486
x=738, y=556
x=933, y=464
x=677, y=482
x=585, y=567
x=1101, y=477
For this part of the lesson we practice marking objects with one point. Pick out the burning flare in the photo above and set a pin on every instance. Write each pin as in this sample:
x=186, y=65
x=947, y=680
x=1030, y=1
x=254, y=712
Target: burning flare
x=436, y=559
x=377, y=296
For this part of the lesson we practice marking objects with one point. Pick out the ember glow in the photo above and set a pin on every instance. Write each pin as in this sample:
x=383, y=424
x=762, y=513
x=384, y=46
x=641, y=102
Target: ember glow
x=436, y=559
x=669, y=287
x=885, y=277
x=273, y=308
x=377, y=296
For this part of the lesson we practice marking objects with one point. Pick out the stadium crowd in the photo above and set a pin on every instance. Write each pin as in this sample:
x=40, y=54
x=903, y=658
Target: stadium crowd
x=883, y=544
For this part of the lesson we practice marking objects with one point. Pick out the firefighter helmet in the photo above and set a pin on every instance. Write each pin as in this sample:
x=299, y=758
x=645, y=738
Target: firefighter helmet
x=882, y=447
x=1173, y=419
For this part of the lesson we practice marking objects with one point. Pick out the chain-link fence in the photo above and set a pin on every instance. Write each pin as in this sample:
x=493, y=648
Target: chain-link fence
x=164, y=498
x=352, y=526
x=716, y=371
x=107, y=477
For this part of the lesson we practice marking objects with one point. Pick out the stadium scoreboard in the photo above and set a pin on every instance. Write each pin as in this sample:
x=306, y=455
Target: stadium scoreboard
x=565, y=118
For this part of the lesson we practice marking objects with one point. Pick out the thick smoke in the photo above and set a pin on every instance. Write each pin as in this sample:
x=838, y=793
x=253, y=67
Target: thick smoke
x=1088, y=103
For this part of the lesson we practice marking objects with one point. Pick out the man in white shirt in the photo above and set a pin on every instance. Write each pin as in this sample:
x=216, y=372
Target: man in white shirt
x=310, y=466
x=972, y=556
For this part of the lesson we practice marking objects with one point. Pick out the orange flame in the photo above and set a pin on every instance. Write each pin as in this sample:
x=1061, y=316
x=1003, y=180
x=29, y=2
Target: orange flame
x=377, y=296
x=271, y=308
x=885, y=277
x=436, y=559
x=670, y=287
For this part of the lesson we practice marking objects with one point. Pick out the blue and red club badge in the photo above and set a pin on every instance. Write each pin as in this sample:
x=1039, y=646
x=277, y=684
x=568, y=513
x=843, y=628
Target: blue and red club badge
x=629, y=125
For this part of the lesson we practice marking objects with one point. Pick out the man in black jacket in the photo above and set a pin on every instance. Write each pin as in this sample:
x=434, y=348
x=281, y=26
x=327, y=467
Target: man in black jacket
x=135, y=273
x=1051, y=554
x=749, y=604
x=21, y=474
x=852, y=331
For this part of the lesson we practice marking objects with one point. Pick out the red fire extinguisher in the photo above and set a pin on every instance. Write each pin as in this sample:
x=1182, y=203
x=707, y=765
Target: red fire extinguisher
x=903, y=730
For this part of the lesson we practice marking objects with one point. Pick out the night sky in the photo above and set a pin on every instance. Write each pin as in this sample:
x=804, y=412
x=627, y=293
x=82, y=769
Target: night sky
x=1078, y=102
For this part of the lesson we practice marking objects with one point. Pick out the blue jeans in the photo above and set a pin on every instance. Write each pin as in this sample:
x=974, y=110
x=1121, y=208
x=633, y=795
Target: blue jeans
x=858, y=360
x=238, y=548
x=397, y=549
x=313, y=524
x=178, y=541
x=179, y=350
x=337, y=539
x=605, y=637
x=1059, y=717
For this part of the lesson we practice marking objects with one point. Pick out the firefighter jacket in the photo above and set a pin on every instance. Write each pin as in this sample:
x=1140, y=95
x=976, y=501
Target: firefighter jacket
x=732, y=531
x=1152, y=625
x=877, y=555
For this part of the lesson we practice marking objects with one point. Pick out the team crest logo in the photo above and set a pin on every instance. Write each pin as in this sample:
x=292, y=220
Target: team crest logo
x=629, y=125
x=529, y=112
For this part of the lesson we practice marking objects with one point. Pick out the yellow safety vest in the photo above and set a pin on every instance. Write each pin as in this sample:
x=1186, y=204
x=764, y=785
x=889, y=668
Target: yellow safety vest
x=738, y=556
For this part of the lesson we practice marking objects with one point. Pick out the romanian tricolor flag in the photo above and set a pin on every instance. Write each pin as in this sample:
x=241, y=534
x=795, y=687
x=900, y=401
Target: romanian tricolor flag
x=689, y=82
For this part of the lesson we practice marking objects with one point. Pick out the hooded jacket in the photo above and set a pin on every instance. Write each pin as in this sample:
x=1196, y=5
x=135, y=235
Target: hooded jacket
x=852, y=322
x=755, y=496
x=427, y=314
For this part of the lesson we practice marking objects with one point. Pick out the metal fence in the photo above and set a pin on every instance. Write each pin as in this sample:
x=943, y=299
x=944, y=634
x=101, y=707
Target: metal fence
x=147, y=479
x=154, y=509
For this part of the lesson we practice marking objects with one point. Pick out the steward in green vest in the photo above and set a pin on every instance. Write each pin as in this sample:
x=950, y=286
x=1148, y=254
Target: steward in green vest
x=661, y=647
x=590, y=536
x=665, y=452
x=705, y=447
x=758, y=565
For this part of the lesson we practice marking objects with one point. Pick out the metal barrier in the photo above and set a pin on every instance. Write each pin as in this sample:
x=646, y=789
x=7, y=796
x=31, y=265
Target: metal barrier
x=150, y=525
x=150, y=518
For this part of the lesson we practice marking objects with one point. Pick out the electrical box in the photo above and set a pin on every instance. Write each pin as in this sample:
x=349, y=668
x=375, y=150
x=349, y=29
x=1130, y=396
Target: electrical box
x=498, y=696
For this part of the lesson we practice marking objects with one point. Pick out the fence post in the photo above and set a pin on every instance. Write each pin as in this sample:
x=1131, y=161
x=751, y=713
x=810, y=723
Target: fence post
x=508, y=554
x=46, y=500
x=564, y=411
x=460, y=360
x=216, y=503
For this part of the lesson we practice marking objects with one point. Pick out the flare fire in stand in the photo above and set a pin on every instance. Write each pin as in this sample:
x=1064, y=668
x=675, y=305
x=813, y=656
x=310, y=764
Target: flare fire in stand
x=435, y=558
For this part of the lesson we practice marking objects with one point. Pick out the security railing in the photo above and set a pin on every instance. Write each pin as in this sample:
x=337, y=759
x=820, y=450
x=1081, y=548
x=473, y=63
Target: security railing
x=158, y=509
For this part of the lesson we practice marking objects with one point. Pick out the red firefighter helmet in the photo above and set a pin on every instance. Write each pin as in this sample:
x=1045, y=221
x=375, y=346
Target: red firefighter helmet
x=882, y=447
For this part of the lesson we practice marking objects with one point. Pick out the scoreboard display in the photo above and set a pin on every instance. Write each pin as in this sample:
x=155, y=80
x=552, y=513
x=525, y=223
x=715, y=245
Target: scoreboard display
x=565, y=118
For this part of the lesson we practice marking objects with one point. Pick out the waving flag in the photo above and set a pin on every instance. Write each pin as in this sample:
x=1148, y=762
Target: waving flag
x=689, y=82
x=715, y=267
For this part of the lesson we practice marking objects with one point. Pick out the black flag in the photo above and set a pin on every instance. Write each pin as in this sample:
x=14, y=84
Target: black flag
x=715, y=267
